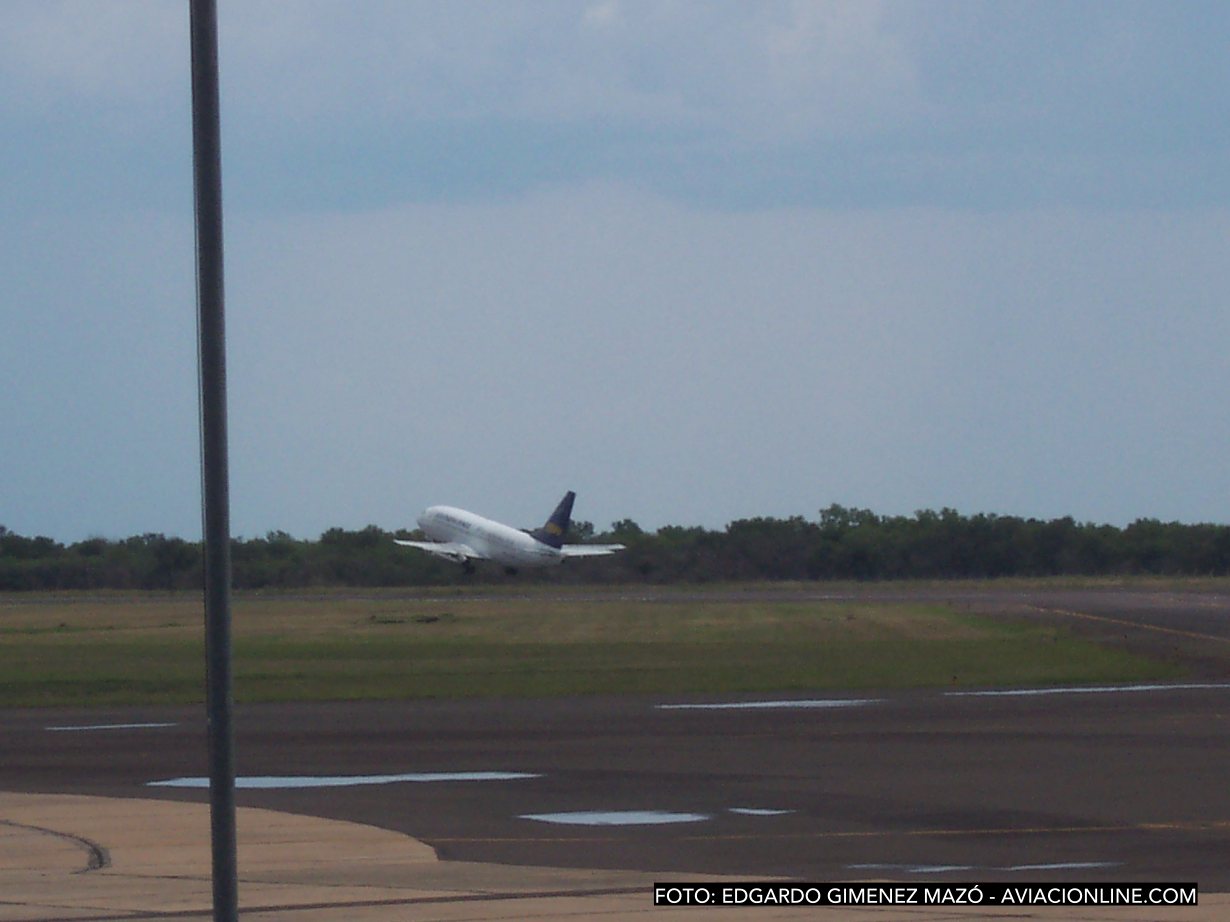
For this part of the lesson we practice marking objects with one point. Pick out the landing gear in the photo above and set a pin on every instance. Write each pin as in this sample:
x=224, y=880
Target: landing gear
x=467, y=568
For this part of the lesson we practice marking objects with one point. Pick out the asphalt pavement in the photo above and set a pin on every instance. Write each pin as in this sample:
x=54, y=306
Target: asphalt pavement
x=542, y=809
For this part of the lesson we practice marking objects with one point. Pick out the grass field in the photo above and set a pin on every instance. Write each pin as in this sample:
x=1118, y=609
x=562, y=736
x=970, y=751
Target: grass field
x=149, y=648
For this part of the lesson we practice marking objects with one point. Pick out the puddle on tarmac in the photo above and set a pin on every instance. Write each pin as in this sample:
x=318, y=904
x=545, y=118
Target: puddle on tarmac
x=90, y=727
x=758, y=811
x=771, y=705
x=278, y=782
x=616, y=818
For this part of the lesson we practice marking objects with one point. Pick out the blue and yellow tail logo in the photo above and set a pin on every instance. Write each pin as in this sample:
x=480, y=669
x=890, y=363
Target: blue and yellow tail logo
x=552, y=533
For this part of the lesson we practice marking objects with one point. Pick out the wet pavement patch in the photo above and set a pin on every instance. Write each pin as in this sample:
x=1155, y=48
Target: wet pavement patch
x=616, y=818
x=280, y=782
x=771, y=705
x=949, y=868
x=89, y=727
x=758, y=811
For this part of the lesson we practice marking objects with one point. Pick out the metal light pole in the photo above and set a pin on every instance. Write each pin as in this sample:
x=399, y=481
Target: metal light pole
x=211, y=334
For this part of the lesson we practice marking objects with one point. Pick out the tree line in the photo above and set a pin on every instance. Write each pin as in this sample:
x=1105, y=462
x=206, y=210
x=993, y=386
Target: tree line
x=841, y=543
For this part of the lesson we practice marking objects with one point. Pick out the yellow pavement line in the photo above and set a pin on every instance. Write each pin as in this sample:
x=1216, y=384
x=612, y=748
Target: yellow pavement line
x=1135, y=624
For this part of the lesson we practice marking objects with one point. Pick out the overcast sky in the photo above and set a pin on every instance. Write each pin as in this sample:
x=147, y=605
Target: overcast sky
x=697, y=261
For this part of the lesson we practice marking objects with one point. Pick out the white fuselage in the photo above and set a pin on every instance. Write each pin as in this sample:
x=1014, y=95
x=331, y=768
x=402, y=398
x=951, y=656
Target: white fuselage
x=493, y=540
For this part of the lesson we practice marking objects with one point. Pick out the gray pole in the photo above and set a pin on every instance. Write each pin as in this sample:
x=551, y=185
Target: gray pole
x=211, y=334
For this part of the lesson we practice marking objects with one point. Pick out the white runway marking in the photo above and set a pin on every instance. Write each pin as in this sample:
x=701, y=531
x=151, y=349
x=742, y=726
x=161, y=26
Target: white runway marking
x=616, y=818
x=771, y=705
x=1066, y=866
x=1089, y=690
x=109, y=727
x=946, y=868
x=758, y=811
x=912, y=868
x=277, y=782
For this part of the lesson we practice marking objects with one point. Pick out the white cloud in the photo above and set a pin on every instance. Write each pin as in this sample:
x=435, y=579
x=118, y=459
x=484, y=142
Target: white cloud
x=602, y=15
x=691, y=366
x=783, y=68
x=671, y=362
x=675, y=364
x=862, y=102
x=113, y=53
x=837, y=68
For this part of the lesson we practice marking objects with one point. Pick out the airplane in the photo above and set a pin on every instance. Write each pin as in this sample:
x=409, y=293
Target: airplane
x=464, y=537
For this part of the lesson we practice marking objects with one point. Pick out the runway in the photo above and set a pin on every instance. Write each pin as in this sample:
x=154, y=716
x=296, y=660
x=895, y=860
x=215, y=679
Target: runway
x=1092, y=784
x=1095, y=785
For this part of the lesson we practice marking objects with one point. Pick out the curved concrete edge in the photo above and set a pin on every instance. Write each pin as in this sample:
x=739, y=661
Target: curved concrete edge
x=161, y=837
x=71, y=857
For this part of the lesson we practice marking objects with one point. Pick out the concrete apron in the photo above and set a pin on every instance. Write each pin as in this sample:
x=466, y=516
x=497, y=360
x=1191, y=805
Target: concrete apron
x=68, y=858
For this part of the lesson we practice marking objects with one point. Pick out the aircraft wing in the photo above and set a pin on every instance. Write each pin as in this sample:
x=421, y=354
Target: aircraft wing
x=589, y=550
x=449, y=550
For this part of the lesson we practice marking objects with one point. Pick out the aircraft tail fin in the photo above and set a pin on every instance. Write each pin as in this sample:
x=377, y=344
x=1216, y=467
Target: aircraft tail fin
x=552, y=533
